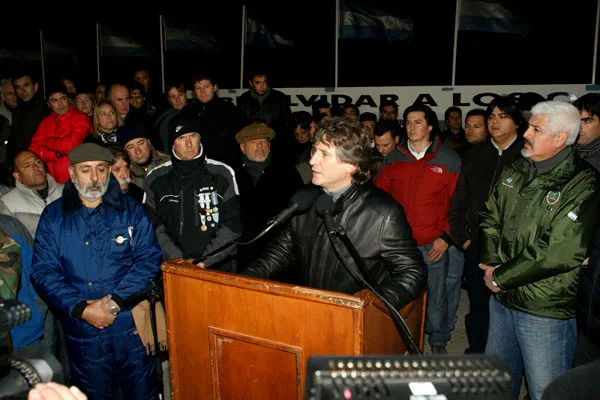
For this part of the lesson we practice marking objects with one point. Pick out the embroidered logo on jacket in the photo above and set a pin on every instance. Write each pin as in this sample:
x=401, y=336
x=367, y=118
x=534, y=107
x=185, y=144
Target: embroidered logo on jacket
x=437, y=170
x=552, y=197
x=508, y=181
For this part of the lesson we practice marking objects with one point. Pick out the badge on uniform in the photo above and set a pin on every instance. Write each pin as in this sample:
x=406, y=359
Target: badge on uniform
x=552, y=197
x=120, y=240
x=208, y=200
x=508, y=181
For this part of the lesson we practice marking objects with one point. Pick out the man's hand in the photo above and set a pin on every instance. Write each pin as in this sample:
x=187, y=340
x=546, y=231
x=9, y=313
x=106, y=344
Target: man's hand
x=438, y=248
x=487, y=277
x=200, y=264
x=466, y=244
x=96, y=313
x=55, y=391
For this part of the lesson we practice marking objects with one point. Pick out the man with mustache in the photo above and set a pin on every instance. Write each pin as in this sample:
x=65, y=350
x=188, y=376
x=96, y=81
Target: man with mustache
x=482, y=164
x=94, y=248
x=537, y=228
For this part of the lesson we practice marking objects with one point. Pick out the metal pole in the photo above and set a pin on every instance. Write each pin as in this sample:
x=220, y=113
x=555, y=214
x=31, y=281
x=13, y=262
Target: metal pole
x=595, y=61
x=43, y=66
x=243, y=52
x=98, y=51
x=162, y=50
x=337, y=40
x=456, y=26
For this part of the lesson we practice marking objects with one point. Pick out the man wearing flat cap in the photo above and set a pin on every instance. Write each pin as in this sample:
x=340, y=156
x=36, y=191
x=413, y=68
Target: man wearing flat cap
x=135, y=139
x=194, y=201
x=95, y=247
x=265, y=186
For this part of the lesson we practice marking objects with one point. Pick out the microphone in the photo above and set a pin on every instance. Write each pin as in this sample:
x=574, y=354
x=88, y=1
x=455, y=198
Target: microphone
x=300, y=202
x=13, y=313
x=324, y=207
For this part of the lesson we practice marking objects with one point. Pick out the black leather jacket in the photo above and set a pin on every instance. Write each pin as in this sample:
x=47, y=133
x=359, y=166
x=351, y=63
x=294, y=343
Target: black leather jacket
x=375, y=223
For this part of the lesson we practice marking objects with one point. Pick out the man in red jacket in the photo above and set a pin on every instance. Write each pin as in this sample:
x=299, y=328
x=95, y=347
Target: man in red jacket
x=60, y=132
x=421, y=176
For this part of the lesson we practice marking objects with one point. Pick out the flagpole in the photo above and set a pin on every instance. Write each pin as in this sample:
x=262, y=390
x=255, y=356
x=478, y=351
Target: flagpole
x=43, y=66
x=337, y=40
x=98, y=51
x=161, y=20
x=595, y=61
x=456, y=26
x=243, y=52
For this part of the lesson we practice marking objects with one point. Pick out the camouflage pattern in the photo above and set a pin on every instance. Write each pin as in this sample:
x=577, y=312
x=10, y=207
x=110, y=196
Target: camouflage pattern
x=10, y=266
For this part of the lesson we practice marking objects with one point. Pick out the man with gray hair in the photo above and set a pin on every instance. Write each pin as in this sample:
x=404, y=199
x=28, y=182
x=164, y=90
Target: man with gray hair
x=537, y=228
x=95, y=247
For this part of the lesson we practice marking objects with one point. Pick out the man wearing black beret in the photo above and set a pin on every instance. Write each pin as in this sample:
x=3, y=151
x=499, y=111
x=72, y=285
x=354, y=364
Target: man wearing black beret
x=135, y=139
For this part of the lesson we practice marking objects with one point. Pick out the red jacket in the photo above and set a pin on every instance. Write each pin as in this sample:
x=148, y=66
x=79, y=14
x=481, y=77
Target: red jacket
x=56, y=136
x=423, y=187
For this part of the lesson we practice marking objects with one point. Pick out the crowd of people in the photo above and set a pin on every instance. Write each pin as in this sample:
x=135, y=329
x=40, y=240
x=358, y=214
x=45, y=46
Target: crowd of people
x=104, y=185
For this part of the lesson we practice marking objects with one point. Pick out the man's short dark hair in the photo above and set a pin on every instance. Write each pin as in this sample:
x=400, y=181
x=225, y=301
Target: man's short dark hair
x=56, y=87
x=33, y=77
x=367, y=116
x=475, y=112
x=139, y=87
x=179, y=86
x=259, y=71
x=204, y=76
x=352, y=145
x=451, y=110
x=302, y=118
x=388, y=103
x=509, y=107
x=430, y=117
x=321, y=103
x=119, y=152
x=388, y=125
x=589, y=102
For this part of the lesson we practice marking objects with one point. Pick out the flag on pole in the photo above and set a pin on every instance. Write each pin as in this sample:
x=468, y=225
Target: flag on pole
x=490, y=16
x=258, y=35
x=359, y=21
x=183, y=36
x=114, y=43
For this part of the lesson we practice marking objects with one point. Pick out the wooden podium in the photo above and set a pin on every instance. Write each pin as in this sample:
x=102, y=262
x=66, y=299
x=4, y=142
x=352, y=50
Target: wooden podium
x=233, y=337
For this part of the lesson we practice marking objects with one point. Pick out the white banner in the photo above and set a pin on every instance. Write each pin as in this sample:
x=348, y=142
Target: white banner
x=439, y=98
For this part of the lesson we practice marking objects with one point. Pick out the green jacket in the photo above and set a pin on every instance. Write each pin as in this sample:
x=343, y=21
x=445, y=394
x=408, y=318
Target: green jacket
x=540, y=231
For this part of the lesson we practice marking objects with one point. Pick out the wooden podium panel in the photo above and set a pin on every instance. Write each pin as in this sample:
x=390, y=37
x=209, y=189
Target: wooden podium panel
x=232, y=336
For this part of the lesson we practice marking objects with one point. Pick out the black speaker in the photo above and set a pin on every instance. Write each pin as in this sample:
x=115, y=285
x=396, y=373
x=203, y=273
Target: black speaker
x=447, y=377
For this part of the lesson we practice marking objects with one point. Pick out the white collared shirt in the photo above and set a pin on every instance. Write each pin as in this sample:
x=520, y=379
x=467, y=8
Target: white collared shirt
x=420, y=154
x=505, y=147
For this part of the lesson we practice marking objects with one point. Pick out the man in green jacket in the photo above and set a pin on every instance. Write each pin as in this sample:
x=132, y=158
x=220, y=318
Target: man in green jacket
x=537, y=229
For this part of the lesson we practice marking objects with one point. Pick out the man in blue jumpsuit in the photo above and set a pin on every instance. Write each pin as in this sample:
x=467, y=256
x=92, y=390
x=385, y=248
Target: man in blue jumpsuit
x=94, y=248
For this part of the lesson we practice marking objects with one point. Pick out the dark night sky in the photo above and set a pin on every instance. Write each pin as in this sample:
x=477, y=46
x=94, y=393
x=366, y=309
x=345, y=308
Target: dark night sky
x=539, y=58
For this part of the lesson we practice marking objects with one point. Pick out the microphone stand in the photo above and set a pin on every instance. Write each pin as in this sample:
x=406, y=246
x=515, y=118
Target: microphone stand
x=370, y=283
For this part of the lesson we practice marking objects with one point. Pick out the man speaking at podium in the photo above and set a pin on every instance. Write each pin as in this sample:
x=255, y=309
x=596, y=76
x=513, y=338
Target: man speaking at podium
x=343, y=166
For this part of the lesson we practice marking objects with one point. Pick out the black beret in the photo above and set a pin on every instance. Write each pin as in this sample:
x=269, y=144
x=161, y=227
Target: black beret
x=132, y=131
x=90, y=152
